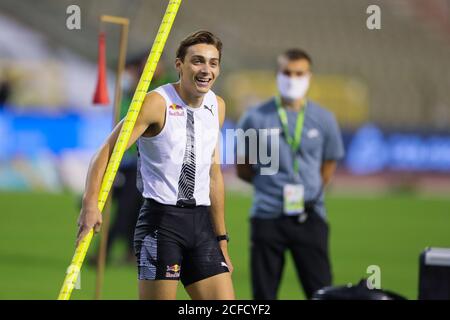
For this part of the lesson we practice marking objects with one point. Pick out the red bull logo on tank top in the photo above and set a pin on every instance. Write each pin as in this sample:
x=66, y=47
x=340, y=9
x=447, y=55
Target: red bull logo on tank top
x=176, y=110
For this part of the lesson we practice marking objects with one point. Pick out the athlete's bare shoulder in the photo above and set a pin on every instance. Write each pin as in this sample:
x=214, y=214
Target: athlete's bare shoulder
x=152, y=114
x=154, y=106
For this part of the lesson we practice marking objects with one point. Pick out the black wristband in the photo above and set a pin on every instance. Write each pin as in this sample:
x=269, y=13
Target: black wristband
x=223, y=237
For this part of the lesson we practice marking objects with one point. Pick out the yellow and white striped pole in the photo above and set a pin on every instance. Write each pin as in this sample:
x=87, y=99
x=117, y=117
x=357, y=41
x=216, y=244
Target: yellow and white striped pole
x=124, y=136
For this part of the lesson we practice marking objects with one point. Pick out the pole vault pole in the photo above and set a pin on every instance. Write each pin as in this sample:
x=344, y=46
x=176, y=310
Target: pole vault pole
x=122, y=141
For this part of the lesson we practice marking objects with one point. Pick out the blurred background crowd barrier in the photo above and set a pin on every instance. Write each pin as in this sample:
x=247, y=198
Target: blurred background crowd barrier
x=389, y=88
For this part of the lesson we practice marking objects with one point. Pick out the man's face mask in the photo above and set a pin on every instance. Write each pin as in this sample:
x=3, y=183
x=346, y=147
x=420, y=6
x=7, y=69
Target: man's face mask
x=292, y=88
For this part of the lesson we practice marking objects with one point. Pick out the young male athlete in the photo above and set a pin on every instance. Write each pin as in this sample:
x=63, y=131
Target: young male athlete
x=180, y=233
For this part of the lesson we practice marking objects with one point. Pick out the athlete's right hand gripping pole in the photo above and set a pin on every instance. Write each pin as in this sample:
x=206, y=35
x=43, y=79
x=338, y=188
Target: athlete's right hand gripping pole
x=122, y=141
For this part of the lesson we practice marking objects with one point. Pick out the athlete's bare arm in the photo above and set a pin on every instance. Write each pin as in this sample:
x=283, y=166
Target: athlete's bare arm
x=217, y=192
x=148, y=123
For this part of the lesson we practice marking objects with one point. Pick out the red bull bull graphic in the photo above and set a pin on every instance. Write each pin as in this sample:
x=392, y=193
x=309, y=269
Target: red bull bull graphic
x=173, y=271
x=176, y=110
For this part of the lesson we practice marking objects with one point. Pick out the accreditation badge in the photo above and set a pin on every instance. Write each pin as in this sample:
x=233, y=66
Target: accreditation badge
x=293, y=199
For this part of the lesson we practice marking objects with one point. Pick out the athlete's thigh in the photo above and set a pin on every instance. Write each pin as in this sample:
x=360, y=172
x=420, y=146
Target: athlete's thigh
x=205, y=273
x=158, y=289
x=159, y=255
x=159, y=264
x=205, y=259
x=218, y=287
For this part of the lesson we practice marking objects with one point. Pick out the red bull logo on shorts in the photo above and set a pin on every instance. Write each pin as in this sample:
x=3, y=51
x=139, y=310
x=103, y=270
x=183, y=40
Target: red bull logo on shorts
x=173, y=271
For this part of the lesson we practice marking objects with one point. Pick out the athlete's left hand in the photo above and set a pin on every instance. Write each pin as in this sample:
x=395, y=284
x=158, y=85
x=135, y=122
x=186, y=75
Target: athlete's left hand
x=224, y=247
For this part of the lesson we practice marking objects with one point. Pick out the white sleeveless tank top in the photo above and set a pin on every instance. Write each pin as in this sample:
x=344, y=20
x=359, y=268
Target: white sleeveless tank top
x=174, y=165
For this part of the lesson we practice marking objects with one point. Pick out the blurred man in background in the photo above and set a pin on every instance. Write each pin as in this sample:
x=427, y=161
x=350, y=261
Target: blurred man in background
x=288, y=210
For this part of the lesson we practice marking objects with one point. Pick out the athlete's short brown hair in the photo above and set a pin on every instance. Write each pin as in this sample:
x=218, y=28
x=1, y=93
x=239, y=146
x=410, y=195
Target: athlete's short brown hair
x=198, y=37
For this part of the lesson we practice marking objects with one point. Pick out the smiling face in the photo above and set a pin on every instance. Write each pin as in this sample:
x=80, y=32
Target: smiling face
x=199, y=68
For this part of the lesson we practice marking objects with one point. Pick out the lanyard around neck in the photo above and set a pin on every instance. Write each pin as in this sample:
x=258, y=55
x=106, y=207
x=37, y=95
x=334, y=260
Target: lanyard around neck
x=293, y=141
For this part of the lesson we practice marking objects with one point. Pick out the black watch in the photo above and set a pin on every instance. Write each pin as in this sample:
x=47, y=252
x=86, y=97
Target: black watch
x=223, y=237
